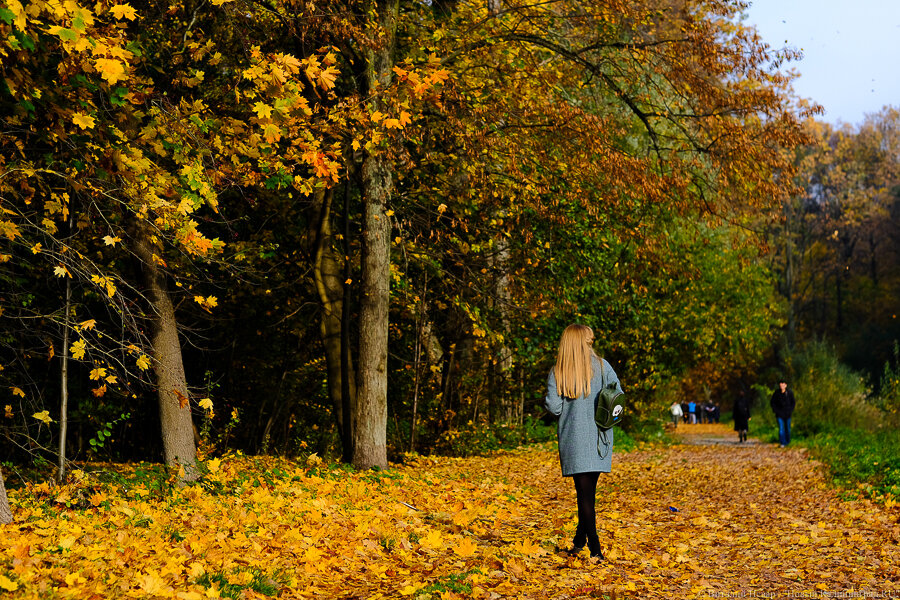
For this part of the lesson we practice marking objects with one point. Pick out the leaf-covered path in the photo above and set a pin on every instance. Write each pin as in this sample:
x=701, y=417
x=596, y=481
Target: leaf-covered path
x=749, y=521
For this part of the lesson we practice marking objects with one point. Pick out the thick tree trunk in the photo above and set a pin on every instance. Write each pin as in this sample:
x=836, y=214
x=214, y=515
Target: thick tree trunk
x=174, y=408
x=327, y=274
x=370, y=434
x=5, y=512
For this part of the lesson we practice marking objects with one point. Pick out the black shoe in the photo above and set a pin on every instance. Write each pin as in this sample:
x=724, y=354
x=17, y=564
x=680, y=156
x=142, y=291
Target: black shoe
x=595, y=550
x=574, y=550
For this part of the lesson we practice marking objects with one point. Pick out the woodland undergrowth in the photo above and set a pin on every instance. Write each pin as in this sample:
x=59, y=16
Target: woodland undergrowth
x=693, y=520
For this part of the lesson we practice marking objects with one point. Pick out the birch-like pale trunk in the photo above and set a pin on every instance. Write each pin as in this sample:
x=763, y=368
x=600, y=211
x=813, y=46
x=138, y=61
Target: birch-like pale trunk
x=5, y=511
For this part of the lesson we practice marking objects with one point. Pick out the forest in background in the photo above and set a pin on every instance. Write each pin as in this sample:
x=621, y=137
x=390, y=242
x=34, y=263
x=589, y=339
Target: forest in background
x=358, y=228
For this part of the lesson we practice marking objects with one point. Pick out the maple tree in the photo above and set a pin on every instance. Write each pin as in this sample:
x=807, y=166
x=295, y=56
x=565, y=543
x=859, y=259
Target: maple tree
x=144, y=166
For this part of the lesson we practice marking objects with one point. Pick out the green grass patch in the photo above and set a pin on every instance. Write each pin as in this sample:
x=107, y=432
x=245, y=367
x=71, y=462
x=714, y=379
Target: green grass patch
x=455, y=583
x=233, y=585
x=865, y=463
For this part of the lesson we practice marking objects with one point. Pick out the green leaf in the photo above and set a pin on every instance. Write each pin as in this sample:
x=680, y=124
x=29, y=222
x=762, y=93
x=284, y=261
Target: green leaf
x=68, y=35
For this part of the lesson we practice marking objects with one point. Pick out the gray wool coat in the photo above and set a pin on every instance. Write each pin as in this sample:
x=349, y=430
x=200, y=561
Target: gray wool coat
x=576, y=429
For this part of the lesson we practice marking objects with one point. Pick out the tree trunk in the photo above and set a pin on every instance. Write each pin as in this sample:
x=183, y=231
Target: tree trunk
x=5, y=512
x=789, y=277
x=64, y=387
x=327, y=276
x=174, y=407
x=346, y=363
x=370, y=434
x=502, y=365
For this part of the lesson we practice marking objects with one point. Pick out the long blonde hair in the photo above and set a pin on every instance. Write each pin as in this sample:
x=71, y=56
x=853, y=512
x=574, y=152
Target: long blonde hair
x=573, y=370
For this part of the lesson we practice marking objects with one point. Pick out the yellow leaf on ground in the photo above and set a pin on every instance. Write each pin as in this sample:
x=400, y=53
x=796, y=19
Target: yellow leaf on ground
x=411, y=589
x=433, y=539
x=465, y=548
x=8, y=584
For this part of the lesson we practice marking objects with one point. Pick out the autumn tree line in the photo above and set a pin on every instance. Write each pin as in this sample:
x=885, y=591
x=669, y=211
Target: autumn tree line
x=359, y=227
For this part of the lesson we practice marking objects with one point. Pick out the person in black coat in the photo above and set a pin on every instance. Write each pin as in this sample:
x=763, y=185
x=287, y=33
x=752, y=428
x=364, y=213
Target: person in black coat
x=741, y=415
x=783, y=403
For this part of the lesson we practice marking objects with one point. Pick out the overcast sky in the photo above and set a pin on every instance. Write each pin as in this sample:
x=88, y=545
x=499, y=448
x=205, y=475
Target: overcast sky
x=851, y=51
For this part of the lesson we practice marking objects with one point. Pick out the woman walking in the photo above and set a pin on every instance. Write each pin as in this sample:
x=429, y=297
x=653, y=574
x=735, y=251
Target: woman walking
x=572, y=388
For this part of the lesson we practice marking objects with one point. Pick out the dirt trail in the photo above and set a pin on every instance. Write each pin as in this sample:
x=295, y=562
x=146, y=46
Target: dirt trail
x=752, y=520
x=708, y=518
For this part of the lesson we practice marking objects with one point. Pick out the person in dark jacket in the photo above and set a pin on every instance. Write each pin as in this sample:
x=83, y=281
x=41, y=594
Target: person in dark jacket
x=783, y=403
x=741, y=415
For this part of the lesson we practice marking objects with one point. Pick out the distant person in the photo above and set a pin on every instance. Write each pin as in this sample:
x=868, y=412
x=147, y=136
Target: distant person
x=783, y=403
x=692, y=411
x=677, y=413
x=572, y=386
x=708, y=412
x=741, y=415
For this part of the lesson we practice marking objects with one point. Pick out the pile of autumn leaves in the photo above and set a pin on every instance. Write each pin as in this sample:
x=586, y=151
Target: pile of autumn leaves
x=683, y=521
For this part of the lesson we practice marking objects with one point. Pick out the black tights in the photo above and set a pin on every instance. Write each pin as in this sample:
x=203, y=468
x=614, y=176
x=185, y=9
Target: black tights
x=586, y=491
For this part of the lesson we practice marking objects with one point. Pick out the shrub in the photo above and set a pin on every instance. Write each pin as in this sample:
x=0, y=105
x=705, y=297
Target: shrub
x=483, y=437
x=866, y=463
x=829, y=394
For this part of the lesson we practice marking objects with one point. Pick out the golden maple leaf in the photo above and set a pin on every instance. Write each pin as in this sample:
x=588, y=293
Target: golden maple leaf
x=77, y=349
x=123, y=11
x=8, y=584
x=465, y=548
x=262, y=110
x=43, y=416
x=84, y=121
x=143, y=362
x=111, y=70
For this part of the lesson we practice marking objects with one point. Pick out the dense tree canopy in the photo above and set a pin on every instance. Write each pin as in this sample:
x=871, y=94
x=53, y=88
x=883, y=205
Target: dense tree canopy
x=278, y=225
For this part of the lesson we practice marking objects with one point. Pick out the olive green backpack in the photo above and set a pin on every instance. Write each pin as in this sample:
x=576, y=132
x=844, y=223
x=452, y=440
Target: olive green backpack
x=609, y=408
